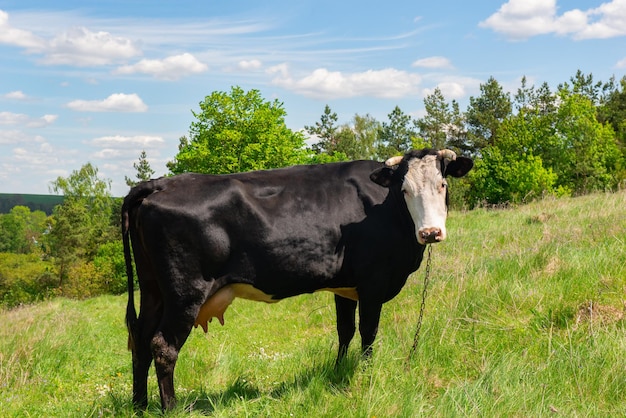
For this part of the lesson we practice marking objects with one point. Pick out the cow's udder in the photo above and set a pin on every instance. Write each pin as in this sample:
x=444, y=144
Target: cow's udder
x=216, y=305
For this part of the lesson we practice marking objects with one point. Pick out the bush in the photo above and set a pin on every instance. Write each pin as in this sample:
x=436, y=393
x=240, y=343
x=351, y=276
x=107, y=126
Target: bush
x=504, y=178
x=110, y=263
x=83, y=281
x=105, y=274
x=25, y=278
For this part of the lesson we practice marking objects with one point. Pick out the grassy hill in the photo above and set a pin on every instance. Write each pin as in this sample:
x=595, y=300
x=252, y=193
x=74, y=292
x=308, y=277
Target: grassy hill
x=525, y=317
x=35, y=202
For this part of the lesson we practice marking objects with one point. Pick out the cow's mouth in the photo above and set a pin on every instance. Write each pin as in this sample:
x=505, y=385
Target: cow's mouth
x=430, y=235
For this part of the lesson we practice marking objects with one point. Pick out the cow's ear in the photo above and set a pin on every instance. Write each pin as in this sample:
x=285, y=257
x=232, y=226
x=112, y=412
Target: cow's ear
x=459, y=167
x=382, y=176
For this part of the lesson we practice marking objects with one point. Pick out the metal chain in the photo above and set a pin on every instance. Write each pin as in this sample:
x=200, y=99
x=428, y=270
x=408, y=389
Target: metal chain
x=423, y=307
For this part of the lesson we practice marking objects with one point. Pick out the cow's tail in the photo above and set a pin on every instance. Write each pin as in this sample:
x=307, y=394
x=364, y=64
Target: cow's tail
x=134, y=198
x=131, y=313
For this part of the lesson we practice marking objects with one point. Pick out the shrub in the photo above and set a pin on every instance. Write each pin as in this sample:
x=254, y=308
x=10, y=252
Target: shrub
x=25, y=278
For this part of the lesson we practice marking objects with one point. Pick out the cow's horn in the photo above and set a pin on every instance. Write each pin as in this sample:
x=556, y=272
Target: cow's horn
x=393, y=161
x=446, y=154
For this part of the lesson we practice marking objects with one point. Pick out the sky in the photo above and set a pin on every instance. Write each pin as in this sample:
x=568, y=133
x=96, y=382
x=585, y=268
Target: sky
x=100, y=81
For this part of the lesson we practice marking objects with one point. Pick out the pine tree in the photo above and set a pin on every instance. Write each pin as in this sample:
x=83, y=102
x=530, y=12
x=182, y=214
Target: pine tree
x=144, y=171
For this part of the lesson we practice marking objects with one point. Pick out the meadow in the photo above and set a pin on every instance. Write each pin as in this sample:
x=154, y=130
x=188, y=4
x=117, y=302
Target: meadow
x=524, y=317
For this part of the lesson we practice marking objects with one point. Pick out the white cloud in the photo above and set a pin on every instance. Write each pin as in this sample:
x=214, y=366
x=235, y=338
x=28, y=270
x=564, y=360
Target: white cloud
x=522, y=19
x=250, y=64
x=9, y=118
x=621, y=63
x=45, y=120
x=78, y=46
x=324, y=84
x=454, y=87
x=170, y=68
x=108, y=154
x=433, y=63
x=118, y=141
x=18, y=137
x=118, y=102
x=611, y=21
x=40, y=158
x=22, y=38
x=281, y=69
x=450, y=90
x=15, y=95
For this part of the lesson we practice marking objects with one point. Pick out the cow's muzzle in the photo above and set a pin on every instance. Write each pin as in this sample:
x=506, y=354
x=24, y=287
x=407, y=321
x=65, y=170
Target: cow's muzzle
x=430, y=235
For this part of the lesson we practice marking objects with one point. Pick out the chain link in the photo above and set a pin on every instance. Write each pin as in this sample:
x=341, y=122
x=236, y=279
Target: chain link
x=423, y=307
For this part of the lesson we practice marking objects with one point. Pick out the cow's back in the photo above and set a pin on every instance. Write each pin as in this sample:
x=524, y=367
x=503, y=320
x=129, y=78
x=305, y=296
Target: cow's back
x=285, y=231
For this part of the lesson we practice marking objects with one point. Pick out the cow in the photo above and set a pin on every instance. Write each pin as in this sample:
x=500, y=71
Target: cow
x=357, y=229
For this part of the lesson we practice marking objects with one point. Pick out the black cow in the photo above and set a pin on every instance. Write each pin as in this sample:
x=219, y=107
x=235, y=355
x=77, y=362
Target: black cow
x=357, y=229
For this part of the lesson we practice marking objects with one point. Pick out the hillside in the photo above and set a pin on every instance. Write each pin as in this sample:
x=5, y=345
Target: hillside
x=525, y=317
x=45, y=203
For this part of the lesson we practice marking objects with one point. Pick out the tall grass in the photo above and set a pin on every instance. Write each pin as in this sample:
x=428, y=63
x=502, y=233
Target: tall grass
x=525, y=317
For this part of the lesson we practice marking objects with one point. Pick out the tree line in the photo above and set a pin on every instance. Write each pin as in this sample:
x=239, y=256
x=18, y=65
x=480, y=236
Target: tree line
x=533, y=143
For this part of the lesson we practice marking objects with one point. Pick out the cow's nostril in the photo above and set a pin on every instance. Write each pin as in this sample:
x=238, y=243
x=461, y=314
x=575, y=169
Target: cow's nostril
x=431, y=235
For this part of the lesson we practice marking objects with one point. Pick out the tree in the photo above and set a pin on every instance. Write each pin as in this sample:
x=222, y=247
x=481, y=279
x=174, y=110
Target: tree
x=442, y=126
x=504, y=178
x=485, y=114
x=326, y=130
x=584, y=85
x=366, y=130
x=82, y=222
x=144, y=171
x=589, y=156
x=457, y=132
x=613, y=112
x=356, y=139
x=12, y=236
x=21, y=229
x=396, y=136
x=238, y=131
x=511, y=170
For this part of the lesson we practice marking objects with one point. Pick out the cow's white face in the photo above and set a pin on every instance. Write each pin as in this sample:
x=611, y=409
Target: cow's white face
x=421, y=175
x=425, y=190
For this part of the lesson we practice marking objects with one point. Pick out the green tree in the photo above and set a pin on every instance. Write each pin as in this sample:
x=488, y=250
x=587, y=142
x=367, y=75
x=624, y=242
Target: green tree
x=144, y=171
x=434, y=124
x=326, y=131
x=589, y=156
x=584, y=85
x=396, y=136
x=457, y=131
x=82, y=223
x=613, y=112
x=21, y=229
x=499, y=178
x=485, y=114
x=511, y=170
x=443, y=125
x=356, y=139
x=12, y=236
x=238, y=131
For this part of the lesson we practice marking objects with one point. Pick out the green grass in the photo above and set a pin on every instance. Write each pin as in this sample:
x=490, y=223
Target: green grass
x=525, y=317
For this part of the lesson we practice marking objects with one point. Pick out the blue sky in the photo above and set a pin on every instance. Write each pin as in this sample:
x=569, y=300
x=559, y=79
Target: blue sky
x=99, y=81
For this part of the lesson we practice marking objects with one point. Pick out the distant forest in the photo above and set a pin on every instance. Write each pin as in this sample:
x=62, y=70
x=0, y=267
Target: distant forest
x=45, y=203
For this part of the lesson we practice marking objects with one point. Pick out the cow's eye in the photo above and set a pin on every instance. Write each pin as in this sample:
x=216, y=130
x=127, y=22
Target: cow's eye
x=444, y=184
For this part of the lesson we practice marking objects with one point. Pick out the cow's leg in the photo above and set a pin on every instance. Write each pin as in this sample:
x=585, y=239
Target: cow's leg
x=169, y=338
x=346, y=310
x=369, y=316
x=150, y=313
